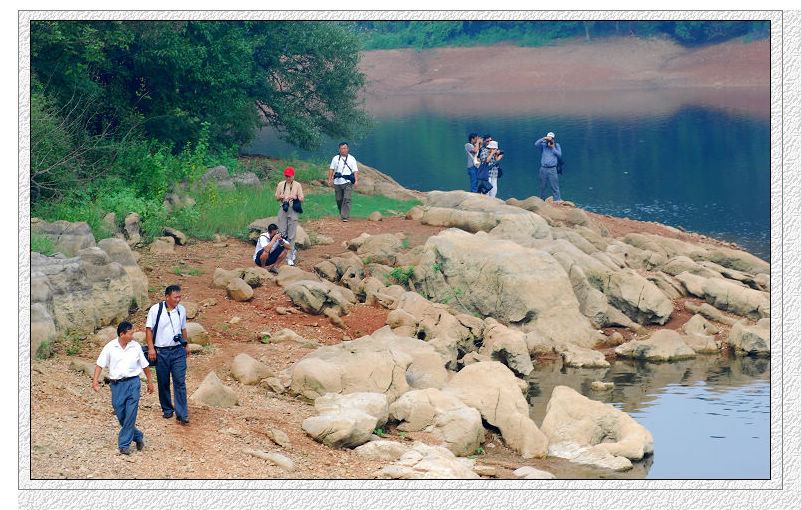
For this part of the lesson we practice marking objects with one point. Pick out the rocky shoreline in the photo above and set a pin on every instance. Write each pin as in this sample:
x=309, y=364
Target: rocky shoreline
x=455, y=302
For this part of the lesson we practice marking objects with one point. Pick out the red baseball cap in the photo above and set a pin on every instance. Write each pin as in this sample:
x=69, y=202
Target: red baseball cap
x=289, y=171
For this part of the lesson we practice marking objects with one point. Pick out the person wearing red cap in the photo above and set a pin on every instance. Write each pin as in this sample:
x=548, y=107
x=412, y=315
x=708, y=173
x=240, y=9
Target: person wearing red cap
x=290, y=195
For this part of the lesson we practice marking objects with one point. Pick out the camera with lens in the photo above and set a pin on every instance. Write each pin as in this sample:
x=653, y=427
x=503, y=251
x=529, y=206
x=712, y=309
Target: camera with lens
x=285, y=206
x=500, y=153
x=179, y=338
x=337, y=175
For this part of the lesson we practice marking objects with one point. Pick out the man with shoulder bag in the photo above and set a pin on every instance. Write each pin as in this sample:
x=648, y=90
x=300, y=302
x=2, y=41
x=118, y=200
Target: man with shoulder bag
x=290, y=194
x=343, y=174
x=167, y=348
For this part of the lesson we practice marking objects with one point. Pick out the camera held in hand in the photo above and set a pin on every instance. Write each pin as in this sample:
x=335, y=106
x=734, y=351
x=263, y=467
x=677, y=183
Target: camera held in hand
x=550, y=143
x=285, y=206
x=179, y=338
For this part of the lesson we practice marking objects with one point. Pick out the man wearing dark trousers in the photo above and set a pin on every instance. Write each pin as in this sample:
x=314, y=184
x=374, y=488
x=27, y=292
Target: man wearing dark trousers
x=124, y=358
x=167, y=348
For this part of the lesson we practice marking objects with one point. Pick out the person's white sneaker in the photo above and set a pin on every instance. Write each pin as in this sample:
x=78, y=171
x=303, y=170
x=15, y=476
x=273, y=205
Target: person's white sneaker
x=290, y=262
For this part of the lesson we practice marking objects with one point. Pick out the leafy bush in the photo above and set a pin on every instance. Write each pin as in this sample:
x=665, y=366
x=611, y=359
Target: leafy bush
x=41, y=244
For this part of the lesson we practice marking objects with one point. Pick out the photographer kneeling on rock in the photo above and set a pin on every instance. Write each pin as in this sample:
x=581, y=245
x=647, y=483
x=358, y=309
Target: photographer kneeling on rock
x=291, y=206
x=125, y=361
x=271, y=249
x=165, y=332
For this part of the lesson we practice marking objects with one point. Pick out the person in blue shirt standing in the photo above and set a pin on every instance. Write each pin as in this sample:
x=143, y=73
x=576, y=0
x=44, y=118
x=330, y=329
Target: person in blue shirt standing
x=551, y=154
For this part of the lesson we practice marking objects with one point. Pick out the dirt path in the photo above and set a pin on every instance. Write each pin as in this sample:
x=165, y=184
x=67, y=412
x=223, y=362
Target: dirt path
x=73, y=429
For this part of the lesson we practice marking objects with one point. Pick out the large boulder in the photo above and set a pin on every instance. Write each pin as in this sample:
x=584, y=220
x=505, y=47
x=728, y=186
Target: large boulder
x=43, y=330
x=346, y=421
x=177, y=235
x=638, y=298
x=381, y=249
x=731, y=297
x=212, y=392
x=162, y=245
x=119, y=251
x=451, y=335
x=381, y=363
x=382, y=450
x=504, y=280
x=373, y=182
x=662, y=345
x=66, y=237
x=316, y=296
x=572, y=417
x=197, y=334
x=475, y=213
x=751, y=340
x=493, y=389
x=574, y=356
x=507, y=346
x=222, y=277
x=84, y=293
x=247, y=370
x=131, y=229
x=429, y=462
x=443, y=414
x=238, y=290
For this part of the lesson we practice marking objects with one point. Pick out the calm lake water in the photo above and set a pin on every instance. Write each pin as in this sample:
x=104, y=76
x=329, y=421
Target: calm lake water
x=709, y=417
x=703, y=165
x=699, y=160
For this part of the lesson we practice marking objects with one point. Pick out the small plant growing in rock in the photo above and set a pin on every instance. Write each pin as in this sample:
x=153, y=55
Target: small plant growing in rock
x=400, y=275
x=450, y=294
x=405, y=243
x=379, y=432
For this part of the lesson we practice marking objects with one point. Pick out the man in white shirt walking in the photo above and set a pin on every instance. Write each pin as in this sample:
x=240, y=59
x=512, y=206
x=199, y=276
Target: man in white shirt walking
x=125, y=361
x=165, y=332
x=344, y=174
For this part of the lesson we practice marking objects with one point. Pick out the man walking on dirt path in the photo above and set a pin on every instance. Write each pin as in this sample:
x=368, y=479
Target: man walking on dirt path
x=165, y=333
x=125, y=361
x=290, y=194
x=549, y=160
x=344, y=174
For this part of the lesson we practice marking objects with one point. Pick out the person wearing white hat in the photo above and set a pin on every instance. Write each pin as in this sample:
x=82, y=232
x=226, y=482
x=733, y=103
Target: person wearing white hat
x=549, y=159
x=493, y=157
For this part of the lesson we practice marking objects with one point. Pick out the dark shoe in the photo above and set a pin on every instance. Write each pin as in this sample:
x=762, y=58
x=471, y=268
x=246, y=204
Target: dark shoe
x=273, y=270
x=140, y=445
x=182, y=421
x=125, y=451
x=166, y=415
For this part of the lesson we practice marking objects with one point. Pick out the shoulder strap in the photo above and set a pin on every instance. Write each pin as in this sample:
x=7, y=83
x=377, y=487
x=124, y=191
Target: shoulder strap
x=156, y=325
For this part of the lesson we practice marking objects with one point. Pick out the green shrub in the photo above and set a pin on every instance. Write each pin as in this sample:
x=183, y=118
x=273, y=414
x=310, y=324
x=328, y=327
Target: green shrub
x=41, y=244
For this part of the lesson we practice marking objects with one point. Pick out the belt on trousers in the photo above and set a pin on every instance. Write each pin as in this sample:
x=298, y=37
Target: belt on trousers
x=114, y=381
x=168, y=348
x=543, y=166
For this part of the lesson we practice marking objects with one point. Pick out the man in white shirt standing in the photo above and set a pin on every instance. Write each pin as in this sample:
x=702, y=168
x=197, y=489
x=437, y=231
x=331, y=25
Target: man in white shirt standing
x=165, y=332
x=125, y=361
x=344, y=174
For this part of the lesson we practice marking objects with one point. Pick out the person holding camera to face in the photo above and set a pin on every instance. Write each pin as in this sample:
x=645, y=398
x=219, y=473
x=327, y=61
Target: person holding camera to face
x=271, y=249
x=290, y=194
x=165, y=333
x=549, y=160
x=471, y=148
x=343, y=174
x=493, y=156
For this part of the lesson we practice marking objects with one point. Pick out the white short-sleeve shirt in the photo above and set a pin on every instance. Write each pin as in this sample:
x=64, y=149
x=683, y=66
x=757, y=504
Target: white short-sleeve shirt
x=338, y=164
x=121, y=362
x=170, y=324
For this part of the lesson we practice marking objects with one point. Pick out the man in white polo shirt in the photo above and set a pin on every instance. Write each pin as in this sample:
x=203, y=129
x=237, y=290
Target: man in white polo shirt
x=167, y=348
x=125, y=361
x=344, y=175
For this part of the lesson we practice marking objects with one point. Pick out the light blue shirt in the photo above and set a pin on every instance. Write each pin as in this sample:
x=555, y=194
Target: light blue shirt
x=549, y=156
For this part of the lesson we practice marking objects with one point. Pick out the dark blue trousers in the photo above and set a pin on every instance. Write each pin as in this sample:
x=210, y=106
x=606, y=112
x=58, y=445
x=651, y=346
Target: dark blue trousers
x=172, y=363
x=125, y=401
x=471, y=172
